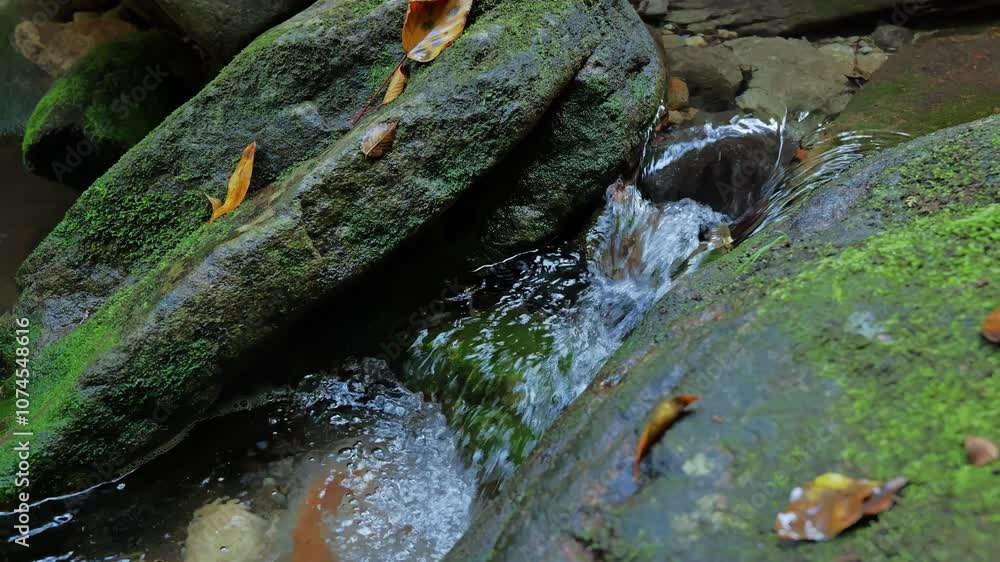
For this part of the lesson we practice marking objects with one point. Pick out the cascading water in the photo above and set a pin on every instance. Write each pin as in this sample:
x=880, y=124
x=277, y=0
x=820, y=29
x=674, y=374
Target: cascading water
x=557, y=324
x=531, y=339
x=504, y=371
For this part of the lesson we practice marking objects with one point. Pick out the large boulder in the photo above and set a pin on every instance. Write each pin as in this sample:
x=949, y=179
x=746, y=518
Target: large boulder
x=786, y=17
x=142, y=312
x=849, y=343
x=56, y=46
x=107, y=103
x=939, y=82
x=223, y=28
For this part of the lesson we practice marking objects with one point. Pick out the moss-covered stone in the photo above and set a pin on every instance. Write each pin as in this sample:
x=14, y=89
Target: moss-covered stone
x=109, y=101
x=937, y=83
x=473, y=370
x=851, y=346
x=144, y=309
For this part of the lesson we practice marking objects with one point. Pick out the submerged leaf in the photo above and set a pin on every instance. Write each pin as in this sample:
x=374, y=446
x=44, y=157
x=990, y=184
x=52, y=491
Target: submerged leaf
x=397, y=83
x=309, y=543
x=663, y=416
x=825, y=507
x=991, y=327
x=432, y=25
x=239, y=183
x=979, y=451
x=378, y=140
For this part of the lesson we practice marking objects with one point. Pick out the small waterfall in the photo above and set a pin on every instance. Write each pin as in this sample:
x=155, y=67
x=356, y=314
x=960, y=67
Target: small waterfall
x=506, y=369
x=537, y=348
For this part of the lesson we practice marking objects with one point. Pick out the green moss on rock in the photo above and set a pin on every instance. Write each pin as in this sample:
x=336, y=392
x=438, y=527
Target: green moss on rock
x=109, y=101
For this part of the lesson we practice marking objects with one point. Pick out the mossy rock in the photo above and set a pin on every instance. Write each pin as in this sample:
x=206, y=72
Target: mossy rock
x=851, y=346
x=938, y=83
x=473, y=369
x=144, y=312
x=112, y=98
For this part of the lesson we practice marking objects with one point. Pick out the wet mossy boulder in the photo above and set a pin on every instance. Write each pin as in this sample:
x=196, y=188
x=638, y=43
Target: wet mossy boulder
x=937, y=83
x=112, y=98
x=474, y=369
x=851, y=345
x=144, y=312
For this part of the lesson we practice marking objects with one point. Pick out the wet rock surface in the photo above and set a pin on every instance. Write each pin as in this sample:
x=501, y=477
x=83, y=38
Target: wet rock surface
x=762, y=337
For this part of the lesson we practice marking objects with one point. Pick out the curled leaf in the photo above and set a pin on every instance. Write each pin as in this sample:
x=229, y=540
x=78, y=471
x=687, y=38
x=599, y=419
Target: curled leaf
x=378, y=140
x=979, y=451
x=432, y=25
x=825, y=507
x=991, y=327
x=663, y=416
x=397, y=83
x=239, y=183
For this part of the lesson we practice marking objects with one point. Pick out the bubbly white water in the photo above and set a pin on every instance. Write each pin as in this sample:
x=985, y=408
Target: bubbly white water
x=411, y=494
x=580, y=315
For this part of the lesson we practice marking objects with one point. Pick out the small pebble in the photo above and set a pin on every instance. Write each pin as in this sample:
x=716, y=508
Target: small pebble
x=697, y=41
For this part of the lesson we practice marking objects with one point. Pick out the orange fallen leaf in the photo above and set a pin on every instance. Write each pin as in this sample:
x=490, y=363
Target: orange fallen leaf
x=238, y=185
x=324, y=496
x=801, y=154
x=432, y=25
x=663, y=416
x=825, y=507
x=979, y=451
x=991, y=327
x=397, y=83
x=378, y=140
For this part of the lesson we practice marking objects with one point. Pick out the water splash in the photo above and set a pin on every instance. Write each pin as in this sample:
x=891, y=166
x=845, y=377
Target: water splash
x=508, y=370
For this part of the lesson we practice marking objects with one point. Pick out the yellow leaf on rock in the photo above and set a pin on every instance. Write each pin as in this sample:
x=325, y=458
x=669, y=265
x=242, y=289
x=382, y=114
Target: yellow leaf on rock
x=663, y=416
x=432, y=25
x=825, y=507
x=378, y=140
x=397, y=84
x=239, y=183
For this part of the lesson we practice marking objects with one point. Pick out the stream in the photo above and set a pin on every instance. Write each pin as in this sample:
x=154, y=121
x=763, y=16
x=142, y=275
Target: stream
x=350, y=465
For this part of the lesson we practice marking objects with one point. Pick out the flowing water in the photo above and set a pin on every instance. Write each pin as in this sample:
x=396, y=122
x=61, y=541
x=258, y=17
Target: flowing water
x=350, y=467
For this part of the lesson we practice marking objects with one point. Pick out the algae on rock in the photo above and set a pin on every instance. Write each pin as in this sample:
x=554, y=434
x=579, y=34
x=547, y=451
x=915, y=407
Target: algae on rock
x=108, y=101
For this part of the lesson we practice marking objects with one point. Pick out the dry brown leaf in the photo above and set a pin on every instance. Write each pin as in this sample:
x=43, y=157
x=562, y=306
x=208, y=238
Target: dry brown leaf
x=239, y=183
x=825, y=507
x=432, y=25
x=663, y=416
x=378, y=140
x=991, y=327
x=397, y=83
x=979, y=451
